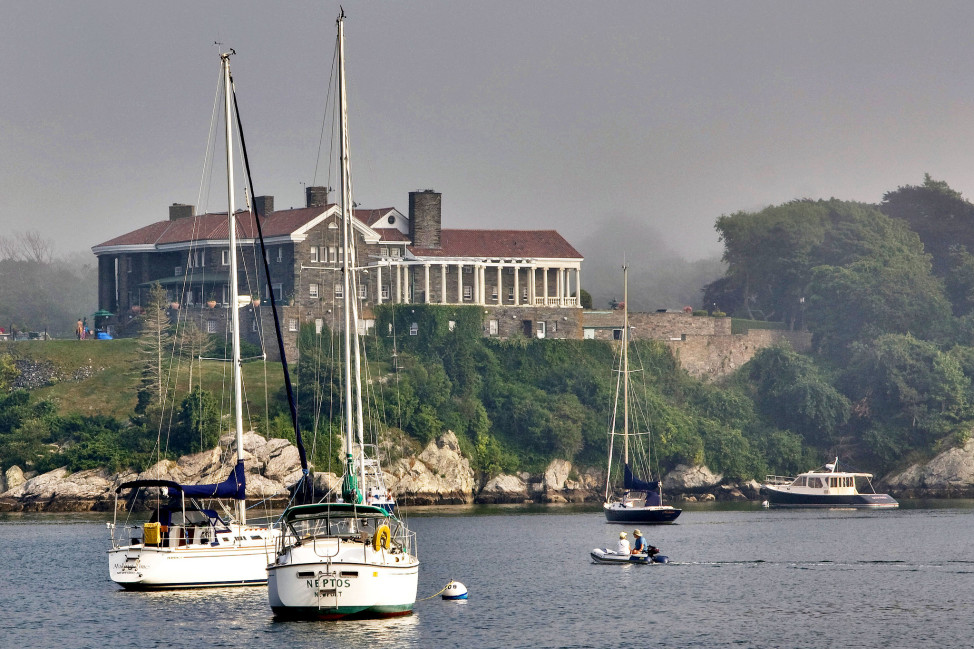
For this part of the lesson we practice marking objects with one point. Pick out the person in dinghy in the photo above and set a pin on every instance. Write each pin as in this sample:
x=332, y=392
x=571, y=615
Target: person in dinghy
x=642, y=546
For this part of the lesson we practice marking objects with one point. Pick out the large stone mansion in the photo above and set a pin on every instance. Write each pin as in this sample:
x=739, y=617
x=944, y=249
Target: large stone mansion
x=528, y=281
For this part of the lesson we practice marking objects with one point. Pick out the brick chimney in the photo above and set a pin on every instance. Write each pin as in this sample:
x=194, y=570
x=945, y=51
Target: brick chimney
x=316, y=196
x=181, y=211
x=264, y=205
x=425, y=218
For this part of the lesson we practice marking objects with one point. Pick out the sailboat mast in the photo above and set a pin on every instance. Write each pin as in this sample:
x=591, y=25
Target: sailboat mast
x=625, y=365
x=234, y=301
x=347, y=285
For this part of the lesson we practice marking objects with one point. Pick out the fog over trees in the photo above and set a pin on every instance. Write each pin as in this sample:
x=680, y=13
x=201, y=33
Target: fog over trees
x=43, y=289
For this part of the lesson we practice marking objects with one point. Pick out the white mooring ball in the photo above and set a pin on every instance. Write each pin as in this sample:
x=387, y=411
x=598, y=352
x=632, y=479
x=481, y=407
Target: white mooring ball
x=455, y=590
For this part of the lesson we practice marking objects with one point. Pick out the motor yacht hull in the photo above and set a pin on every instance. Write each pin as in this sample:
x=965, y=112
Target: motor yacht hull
x=780, y=498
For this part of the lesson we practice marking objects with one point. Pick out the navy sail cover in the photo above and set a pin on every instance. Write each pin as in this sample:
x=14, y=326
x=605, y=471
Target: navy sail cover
x=630, y=481
x=235, y=486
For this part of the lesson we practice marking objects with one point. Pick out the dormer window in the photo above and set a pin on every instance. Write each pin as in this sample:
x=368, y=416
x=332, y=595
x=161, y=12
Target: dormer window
x=392, y=219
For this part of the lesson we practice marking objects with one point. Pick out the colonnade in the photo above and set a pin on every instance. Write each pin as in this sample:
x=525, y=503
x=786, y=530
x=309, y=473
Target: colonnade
x=481, y=283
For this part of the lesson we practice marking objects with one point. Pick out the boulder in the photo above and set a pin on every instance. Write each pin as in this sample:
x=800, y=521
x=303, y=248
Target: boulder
x=556, y=475
x=950, y=473
x=685, y=478
x=504, y=489
x=14, y=478
x=438, y=475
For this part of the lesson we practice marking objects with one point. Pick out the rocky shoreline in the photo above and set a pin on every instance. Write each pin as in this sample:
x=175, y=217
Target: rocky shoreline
x=438, y=475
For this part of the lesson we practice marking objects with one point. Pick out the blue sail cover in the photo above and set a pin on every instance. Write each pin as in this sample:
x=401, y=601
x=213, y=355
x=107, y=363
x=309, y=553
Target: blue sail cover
x=235, y=486
x=630, y=481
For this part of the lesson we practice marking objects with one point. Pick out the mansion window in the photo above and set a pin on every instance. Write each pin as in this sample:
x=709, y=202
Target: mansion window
x=492, y=327
x=362, y=291
x=280, y=254
x=467, y=294
x=211, y=326
x=225, y=257
x=385, y=291
x=332, y=254
x=313, y=289
x=292, y=324
x=510, y=293
x=468, y=269
x=314, y=254
x=384, y=251
x=339, y=291
x=414, y=329
x=395, y=252
x=493, y=293
x=277, y=289
x=319, y=325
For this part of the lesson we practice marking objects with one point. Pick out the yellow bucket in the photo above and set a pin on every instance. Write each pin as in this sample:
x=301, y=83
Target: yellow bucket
x=152, y=533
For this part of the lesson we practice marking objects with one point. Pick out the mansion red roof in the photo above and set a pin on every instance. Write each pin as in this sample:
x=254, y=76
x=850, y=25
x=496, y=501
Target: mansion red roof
x=213, y=226
x=500, y=244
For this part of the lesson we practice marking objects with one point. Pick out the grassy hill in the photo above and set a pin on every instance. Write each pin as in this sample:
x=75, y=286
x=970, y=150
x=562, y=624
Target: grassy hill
x=101, y=377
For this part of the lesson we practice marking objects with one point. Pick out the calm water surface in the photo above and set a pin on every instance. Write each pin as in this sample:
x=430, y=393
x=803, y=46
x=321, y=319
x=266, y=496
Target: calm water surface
x=738, y=578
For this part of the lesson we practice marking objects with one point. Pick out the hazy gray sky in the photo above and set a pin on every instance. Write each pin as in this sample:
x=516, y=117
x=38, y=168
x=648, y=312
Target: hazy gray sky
x=528, y=114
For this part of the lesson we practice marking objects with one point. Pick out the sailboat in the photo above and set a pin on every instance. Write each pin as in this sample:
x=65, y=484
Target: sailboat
x=344, y=557
x=186, y=544
x=621, y=505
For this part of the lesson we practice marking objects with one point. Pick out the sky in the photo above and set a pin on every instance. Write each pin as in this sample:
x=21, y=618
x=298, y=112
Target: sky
x=533, y=114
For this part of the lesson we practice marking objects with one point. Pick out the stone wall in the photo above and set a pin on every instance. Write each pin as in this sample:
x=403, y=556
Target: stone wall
x=510, y=321
x=715, y=356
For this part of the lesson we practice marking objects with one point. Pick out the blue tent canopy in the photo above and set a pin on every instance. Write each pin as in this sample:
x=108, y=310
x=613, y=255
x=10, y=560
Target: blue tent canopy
x=235, y=486
x=630, y=481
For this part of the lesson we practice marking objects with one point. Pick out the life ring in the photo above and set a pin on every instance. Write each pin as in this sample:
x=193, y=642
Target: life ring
x=382, y=538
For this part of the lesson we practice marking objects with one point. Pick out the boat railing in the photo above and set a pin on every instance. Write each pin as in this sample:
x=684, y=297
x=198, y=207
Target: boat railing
x=779, y=480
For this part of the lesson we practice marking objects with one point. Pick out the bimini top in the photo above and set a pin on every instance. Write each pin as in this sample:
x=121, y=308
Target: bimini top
x=338, y=510
x=235, y=486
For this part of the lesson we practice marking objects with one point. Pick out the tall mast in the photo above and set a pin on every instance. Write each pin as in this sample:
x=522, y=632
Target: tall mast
x=352, y=409
x=625, y=365
x=234, y=297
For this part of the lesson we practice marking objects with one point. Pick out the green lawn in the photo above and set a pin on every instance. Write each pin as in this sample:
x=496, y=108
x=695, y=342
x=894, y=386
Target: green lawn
x=111, y=387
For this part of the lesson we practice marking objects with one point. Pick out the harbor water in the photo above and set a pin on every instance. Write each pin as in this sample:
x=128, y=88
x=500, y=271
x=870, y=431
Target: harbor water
x=738, y=577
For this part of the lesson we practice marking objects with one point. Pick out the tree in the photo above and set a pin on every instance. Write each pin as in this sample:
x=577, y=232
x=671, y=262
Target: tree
x=155, y=346
x=910, y=385
x=197, y=423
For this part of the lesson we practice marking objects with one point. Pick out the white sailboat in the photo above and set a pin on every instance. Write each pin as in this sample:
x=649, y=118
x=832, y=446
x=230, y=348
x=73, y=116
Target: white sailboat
x=345, y=557
x=620, y=505
x=185, y=544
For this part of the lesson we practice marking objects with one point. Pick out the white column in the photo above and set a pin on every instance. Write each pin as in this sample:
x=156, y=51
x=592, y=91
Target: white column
x=532, y=287
x=477, y=289
x=426, y=283
x=378, y=284
x=459, y=283
x=500, y=284
x=443, y=268
x=578, y=285
x=405, y=284
x=544, y=281
x=559, y=286
x=517, y=287
x=398, y=284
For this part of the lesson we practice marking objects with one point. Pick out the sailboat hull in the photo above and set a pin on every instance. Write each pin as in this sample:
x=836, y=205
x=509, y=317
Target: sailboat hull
x=237, y=563
x=328, y=578
x=656, y=515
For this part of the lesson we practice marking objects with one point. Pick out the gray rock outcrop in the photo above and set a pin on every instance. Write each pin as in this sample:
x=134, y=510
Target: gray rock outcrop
x=438, y=475
x=689, y=479
x=949, y=474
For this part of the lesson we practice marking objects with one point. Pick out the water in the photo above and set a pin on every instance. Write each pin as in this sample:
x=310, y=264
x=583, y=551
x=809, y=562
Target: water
x=738, y=578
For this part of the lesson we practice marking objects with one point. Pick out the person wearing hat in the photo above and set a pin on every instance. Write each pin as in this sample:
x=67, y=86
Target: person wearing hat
x=623, y=547
x=641, y=545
